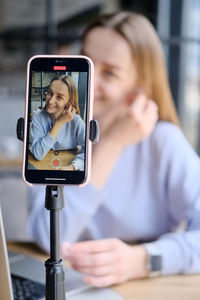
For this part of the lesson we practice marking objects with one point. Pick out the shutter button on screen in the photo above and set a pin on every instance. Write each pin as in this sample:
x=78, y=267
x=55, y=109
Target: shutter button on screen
x=56, y=163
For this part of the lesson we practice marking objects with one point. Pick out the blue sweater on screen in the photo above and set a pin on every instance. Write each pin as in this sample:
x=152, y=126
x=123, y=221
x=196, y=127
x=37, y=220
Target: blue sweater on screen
x=152, y=195
x=69, y=137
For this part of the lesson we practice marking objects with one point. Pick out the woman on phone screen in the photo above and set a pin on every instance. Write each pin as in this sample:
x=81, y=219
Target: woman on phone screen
x=59, y=125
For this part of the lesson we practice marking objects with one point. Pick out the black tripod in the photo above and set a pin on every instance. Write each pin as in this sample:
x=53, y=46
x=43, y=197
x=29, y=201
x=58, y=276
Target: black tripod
x=54, y=202
x=55, y=275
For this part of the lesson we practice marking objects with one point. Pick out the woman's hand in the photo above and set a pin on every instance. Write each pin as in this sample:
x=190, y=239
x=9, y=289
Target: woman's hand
x=67, y=115
x=135, y=122
x=137, y=108
x=130, y=122
x=106, y=262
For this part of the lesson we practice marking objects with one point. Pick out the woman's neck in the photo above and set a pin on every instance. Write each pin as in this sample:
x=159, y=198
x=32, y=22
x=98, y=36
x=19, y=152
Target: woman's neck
x=54, y=116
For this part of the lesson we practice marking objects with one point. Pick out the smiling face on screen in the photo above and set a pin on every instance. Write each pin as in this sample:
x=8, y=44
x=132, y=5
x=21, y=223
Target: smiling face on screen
x=57, y=97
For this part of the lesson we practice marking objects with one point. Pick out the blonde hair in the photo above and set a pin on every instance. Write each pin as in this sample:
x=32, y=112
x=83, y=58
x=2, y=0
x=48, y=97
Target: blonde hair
x=147, y=55
x=73, y=93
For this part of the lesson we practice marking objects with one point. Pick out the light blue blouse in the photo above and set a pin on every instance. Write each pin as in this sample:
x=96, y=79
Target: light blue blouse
x=152, y=195
x=69, y=137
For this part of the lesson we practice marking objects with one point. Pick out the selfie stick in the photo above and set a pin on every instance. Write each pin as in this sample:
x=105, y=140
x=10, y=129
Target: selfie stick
x=54, y=202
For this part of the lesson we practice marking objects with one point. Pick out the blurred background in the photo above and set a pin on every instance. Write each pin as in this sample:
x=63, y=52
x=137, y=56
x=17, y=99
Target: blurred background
x=29, y=27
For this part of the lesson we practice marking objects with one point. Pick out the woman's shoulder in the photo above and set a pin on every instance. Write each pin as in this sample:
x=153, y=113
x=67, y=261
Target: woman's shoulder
x=167, y=143
x=78, y=120
x=40, y=113
x=164, y=128
x=77, y=117
x=166, y=132
x=41, y=117
x=168, y=136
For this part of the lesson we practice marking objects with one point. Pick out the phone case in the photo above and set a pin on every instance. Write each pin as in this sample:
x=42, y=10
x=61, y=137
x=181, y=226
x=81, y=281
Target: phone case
x=89, y=117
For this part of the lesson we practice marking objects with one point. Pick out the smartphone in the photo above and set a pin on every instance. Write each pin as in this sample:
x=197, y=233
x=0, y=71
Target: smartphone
x=58, y=111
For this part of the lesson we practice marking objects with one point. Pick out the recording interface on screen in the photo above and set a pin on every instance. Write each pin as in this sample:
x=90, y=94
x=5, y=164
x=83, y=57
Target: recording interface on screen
x=57, y=120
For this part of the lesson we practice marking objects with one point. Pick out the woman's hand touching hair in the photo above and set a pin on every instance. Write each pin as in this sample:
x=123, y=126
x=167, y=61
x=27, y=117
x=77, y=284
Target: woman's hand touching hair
x=136, y=120
x=66, y=116
x=128, y=122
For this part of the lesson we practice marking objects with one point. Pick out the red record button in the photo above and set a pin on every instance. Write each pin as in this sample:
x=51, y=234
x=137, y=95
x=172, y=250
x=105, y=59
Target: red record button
x=56, y=163
x=59, y=68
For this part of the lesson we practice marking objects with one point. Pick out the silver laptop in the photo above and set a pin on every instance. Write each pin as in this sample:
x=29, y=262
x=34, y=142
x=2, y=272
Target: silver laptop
x=19, y=272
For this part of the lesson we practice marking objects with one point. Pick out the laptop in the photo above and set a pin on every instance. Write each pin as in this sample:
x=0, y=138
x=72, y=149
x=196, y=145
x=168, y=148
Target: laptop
x=23, y=277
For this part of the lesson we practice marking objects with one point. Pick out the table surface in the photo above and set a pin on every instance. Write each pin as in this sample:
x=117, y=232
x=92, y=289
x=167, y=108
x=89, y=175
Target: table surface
x=183, y=287
x=64, y=157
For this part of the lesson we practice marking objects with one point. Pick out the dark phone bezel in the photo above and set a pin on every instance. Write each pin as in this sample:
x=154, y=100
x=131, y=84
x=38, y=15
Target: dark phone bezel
x=56, y=177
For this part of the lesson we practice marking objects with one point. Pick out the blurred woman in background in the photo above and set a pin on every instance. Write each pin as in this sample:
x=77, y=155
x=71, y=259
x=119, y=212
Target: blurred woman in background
x=145, y=175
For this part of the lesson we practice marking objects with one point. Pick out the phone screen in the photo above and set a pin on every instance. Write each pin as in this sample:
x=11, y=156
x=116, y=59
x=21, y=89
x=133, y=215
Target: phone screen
x=57, y=120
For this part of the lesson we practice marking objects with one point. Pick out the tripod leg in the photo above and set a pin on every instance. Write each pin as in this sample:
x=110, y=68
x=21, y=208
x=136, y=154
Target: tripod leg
x=55, y=280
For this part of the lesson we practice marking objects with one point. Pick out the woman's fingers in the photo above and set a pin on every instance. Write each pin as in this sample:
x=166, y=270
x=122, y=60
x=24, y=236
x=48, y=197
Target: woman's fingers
x=139, y=104
x=68, y=114
x=95, y=246
x=96, y=270
x=150, y=115
x=103, y=281
x=93, y=253
x=92, y=259
x=69, y=108
x=106, y=262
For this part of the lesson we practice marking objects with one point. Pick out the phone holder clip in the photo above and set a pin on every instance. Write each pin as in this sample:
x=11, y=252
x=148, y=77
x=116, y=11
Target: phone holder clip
x=93, y=135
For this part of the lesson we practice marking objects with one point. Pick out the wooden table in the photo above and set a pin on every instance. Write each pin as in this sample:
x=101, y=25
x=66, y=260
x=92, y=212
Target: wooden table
x=181, y=287
x=53, y=160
